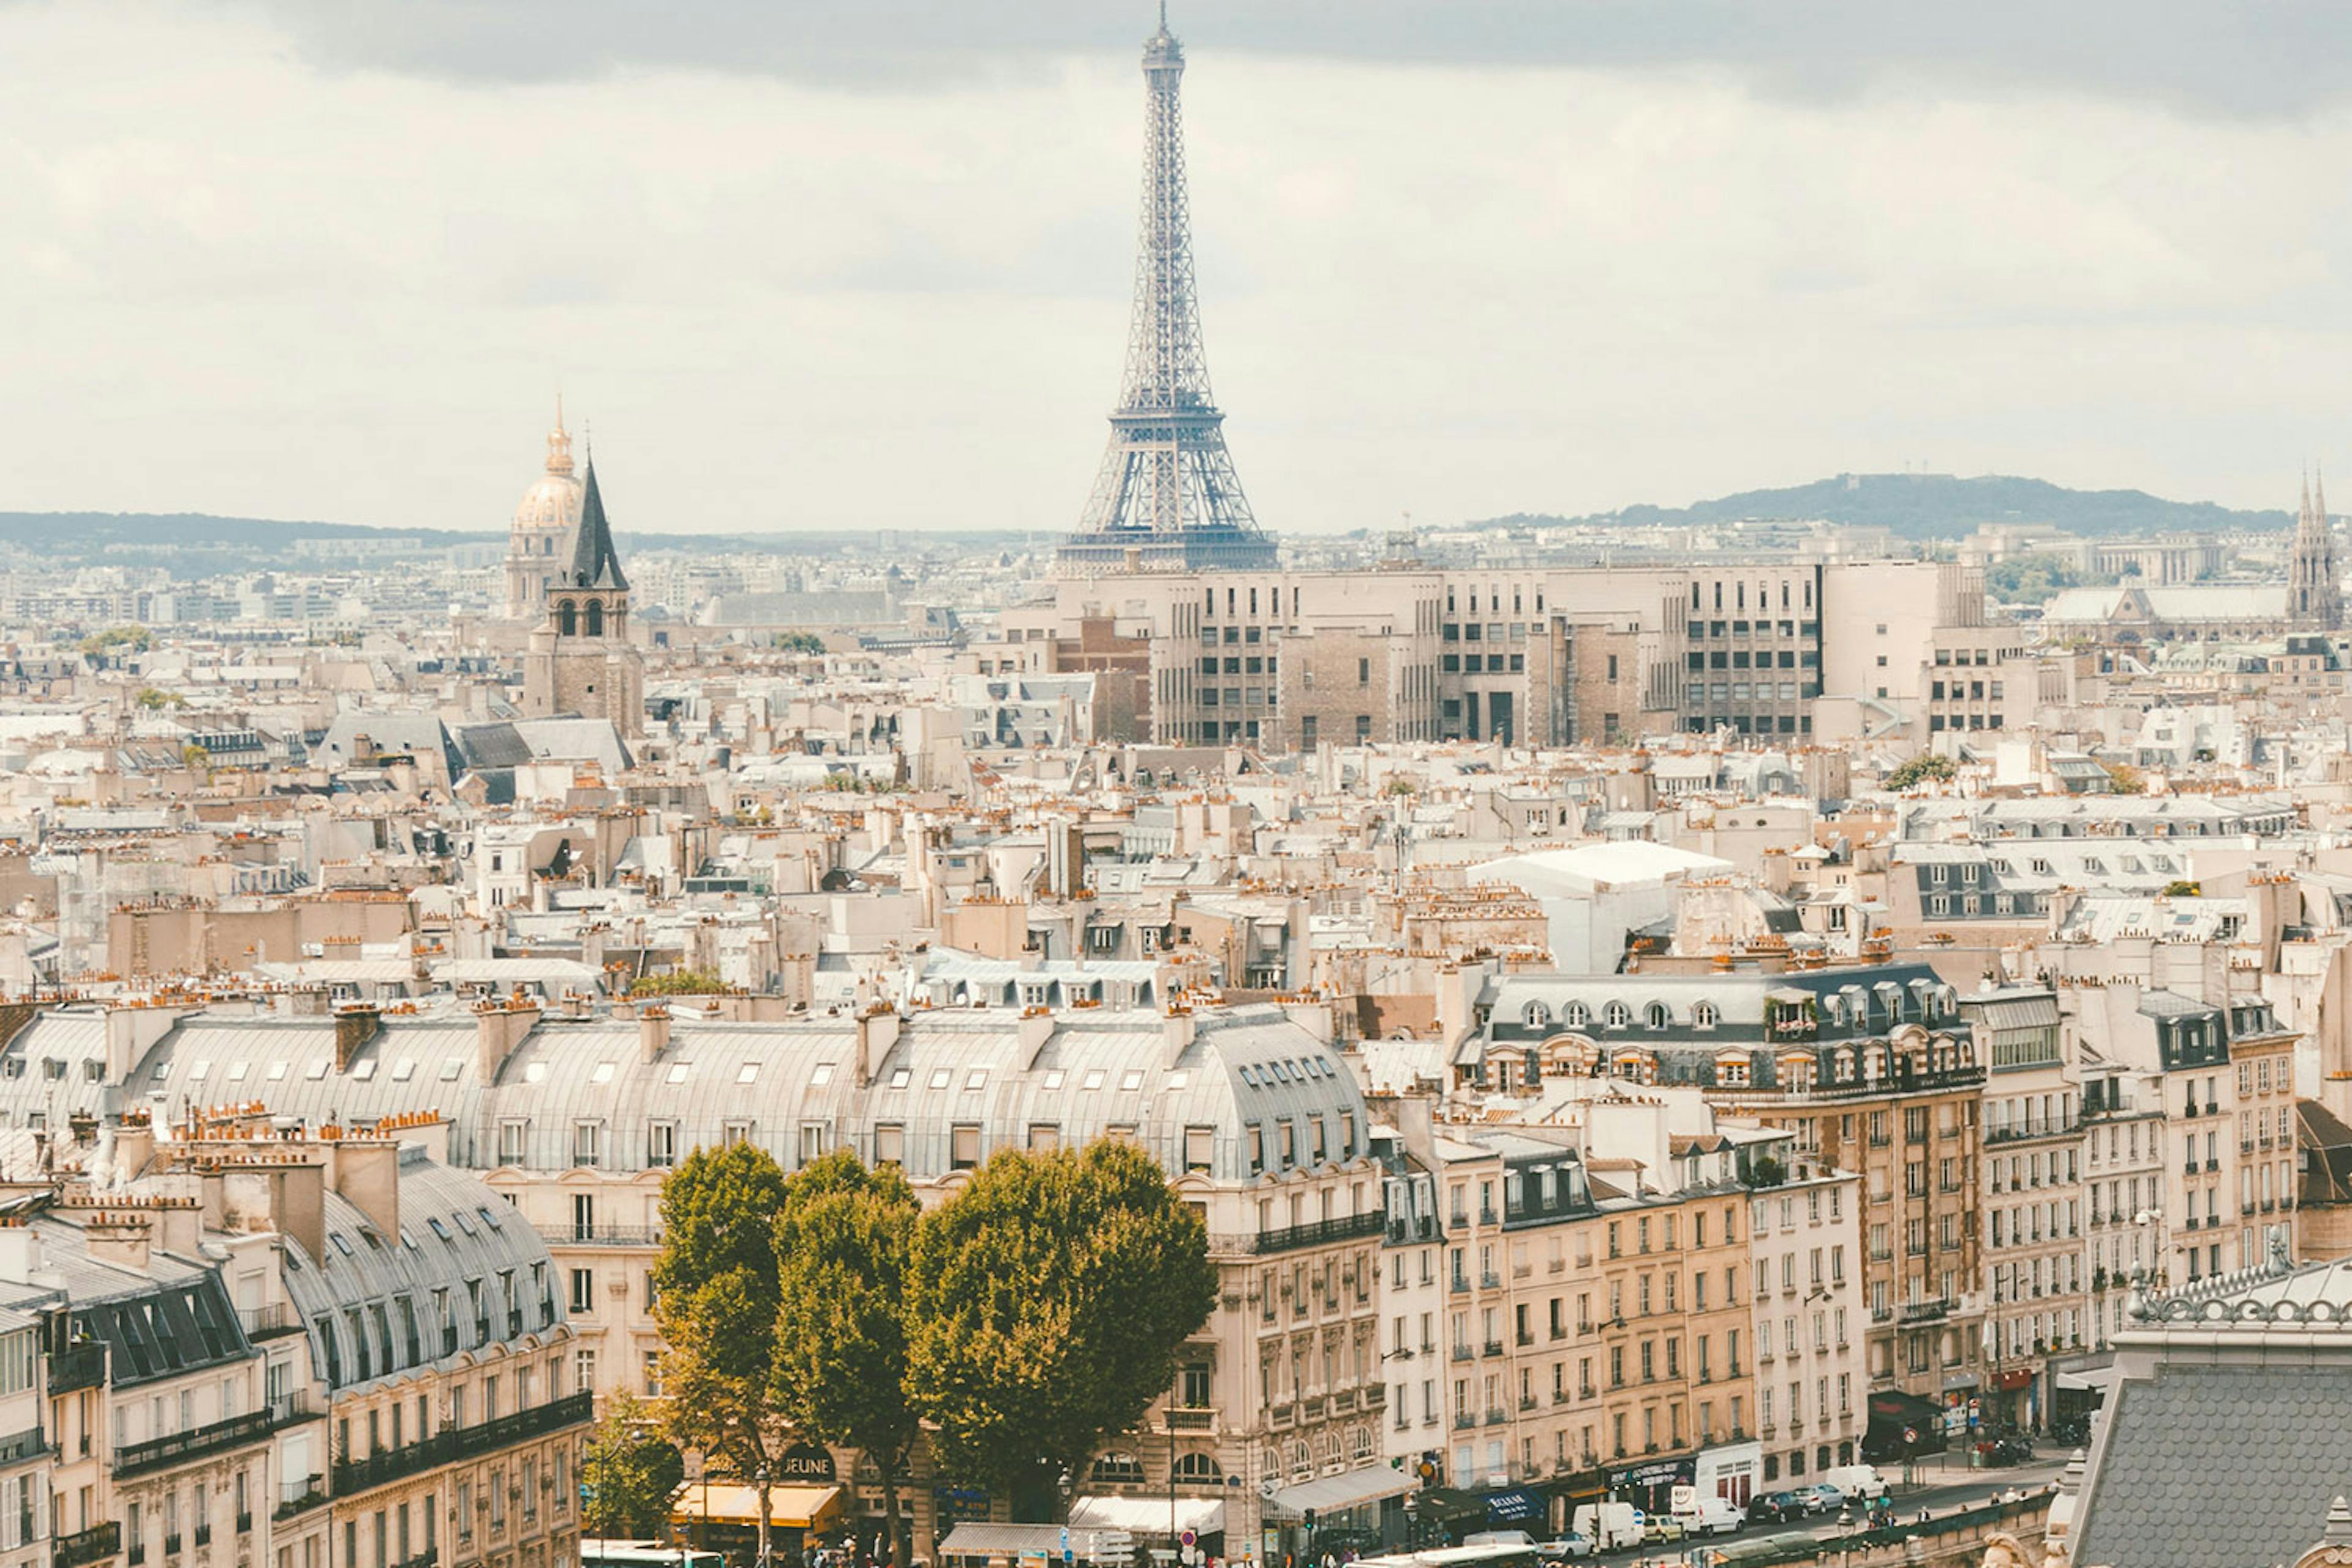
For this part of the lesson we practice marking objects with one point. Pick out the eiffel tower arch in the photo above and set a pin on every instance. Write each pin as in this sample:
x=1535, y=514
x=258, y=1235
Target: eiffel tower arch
x=1167, y=497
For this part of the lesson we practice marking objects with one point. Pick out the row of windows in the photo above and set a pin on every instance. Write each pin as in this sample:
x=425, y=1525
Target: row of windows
x=1763, y=658
x=1976, y=904
x=1481, y=664
x=1618, y=1016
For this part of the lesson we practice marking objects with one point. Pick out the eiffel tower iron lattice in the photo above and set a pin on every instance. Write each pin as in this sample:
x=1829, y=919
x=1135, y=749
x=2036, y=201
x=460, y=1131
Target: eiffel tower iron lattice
x=1167, y=497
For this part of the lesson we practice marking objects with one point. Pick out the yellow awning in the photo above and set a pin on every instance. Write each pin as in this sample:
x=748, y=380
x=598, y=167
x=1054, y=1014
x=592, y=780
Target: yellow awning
x=794, y=1508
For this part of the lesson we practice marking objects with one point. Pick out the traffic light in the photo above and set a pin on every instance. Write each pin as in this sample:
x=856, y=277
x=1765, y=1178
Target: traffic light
x=1310, y=1519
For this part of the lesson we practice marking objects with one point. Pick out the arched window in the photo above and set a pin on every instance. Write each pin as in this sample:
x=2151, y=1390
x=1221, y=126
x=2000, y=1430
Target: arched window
x=1198, y=1468
x=1363, y=1445
x=1658, y=1014
x=595, y=617
x=1618, y=1015
x=1703, y=1016
x=1535, y=1014
x=1576, y=1014
x=567, y=619
x=1115, y=1469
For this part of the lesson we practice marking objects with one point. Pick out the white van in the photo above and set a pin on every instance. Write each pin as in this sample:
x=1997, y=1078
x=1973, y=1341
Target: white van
x=1609, y=1525
x=1710, y=1516
x=1861, y=1482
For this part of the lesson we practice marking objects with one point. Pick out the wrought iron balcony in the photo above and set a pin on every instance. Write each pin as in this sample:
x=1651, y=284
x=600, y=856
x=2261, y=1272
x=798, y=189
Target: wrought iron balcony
x=95, y=1544
x=77, y=1366
x=137, y=1459
x=601, y=1235
x=1316, y=1233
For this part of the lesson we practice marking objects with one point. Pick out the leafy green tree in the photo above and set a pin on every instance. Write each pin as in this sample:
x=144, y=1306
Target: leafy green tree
x=680, y=983
x=801, y=642
x=716, y=1301
x=2181, y=889
x=631, y=1471
x=843, y=1242
x=1049, y=1300
x=2125, y=779
x=1925, y=765
x=155, y=697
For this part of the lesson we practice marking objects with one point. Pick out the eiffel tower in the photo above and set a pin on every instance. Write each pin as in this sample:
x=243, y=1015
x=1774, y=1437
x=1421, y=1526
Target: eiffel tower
x=1167, y=497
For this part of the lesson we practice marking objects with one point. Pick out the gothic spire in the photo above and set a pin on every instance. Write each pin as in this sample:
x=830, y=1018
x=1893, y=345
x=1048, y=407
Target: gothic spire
x=594, y=562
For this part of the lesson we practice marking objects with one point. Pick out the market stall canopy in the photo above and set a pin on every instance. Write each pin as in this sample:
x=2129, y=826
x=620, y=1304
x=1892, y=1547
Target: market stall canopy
x=794, y=1508
x=1148, y=1515
x=1352, y=1489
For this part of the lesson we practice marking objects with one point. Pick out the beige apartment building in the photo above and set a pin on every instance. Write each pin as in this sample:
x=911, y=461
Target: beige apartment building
x=1531, y=655
x=1595, y=1324
x=1812, y=1381
x=2038, y=1276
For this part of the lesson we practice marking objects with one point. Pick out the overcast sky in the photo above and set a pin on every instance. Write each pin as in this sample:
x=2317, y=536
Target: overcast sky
x=865, y=263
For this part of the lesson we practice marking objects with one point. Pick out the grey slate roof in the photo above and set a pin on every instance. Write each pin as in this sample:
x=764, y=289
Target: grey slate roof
x=2218, y=1465
x=378, y=1297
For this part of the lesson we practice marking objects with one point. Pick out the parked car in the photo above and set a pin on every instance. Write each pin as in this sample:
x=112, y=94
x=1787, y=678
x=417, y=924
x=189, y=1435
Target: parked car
x=1498, y=1538
x=1566, y=1549
x=1860, y=1483
x=1776, y=1508
x=1609, y=1525
x=1711, y=1516
x=1822, y=1498
x=1658, y=1528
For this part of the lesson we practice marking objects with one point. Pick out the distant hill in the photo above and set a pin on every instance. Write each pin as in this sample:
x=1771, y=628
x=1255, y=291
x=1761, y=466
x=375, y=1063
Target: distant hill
x=1938, y=506
x=85, y=531
x=194, y=544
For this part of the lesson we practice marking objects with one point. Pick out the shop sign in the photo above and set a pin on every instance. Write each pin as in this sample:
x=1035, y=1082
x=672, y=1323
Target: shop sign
x=806, y=1463
x=1657, y=1473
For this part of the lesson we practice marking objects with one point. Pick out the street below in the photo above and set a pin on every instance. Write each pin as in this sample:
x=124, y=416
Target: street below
x=1944, y=1485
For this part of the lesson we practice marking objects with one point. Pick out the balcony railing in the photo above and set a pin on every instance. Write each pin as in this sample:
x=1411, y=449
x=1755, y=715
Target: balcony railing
x=601, y=1235
x=95, y=1544
x=19, y=1447
x=1927, y=1309
x=387, y=1465
x=77, y=1366
x=1190, y=1419
x=298, y=1495
x=571, y=1410
x=269, y=1321
x=137, y=1458
x=427, y=1558
x=1315, y=1233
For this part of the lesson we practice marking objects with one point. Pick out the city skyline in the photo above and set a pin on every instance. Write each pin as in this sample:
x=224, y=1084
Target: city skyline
x=1989, y=263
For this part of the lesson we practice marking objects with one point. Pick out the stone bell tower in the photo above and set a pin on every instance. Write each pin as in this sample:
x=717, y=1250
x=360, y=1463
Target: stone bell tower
x=581, y=661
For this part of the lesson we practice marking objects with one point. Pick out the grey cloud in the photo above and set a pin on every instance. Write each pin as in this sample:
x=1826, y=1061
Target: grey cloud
x=2195, y=56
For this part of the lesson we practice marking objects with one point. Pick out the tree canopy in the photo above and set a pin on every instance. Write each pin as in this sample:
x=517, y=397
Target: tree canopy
x=716, y=1301
x=680, y=983
x=630, y=1471
x=842, y=1243
x=1050, y=1300
x=1924, y=766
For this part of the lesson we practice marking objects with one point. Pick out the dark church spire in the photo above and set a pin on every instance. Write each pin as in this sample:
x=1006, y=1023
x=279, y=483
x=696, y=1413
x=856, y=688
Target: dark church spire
x=594, y=562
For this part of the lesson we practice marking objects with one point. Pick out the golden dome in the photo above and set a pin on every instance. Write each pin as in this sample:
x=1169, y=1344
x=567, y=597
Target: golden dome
x=554, y=502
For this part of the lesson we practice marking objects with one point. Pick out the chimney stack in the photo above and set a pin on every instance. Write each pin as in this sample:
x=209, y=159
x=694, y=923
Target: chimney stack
x=355, y=1027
